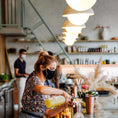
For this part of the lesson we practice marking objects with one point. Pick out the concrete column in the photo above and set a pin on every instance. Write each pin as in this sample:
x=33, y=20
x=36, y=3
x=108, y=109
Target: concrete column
x=2, y=55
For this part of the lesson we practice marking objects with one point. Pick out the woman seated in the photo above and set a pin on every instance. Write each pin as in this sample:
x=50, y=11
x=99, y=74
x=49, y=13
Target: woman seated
x=38, y=89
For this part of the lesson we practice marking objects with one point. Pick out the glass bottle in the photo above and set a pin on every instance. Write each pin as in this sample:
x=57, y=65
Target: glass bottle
x=79, y=111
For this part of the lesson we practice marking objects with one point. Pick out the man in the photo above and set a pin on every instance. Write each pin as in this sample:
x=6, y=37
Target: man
x=21, y=75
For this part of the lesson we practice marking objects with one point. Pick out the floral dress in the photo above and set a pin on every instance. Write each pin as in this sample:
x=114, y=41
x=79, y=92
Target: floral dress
x=33, y=101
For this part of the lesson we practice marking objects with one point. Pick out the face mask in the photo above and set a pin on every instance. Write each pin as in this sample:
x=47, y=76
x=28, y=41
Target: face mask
x=23, y=56
x=49, y=74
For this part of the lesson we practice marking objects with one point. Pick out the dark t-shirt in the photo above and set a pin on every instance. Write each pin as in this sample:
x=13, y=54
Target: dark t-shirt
x=21, y=66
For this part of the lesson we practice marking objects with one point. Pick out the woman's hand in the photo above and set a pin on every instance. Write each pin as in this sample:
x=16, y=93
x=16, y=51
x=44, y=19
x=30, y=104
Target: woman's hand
x=67, y=96
x=68, y=104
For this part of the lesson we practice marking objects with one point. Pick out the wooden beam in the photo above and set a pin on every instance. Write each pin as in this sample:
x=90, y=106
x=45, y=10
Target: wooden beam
x=2, y=55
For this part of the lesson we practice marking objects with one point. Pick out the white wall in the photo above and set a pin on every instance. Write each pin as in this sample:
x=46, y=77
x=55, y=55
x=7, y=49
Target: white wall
x=106, y=14
x=51, y=11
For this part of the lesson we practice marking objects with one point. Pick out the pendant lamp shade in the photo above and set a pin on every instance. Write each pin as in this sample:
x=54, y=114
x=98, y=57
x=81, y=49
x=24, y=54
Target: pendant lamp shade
x=68, y=11
x=73, y=29
x=77, y=17
x=81, y=5
x=67, y=23
x=69, y=41
x=71, y=35
x=69, y=27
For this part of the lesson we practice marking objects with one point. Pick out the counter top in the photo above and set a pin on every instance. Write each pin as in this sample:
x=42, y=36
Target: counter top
x=108, y=108
x=104, y=114
x=7, y=84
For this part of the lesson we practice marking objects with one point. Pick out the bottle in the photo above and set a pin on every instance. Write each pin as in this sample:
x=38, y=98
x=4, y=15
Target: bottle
x=79, y=114
x=54, y=101
x=114, y=49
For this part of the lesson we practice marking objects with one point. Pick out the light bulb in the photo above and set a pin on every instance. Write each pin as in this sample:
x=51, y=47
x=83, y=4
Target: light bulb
x=78, y=19
x=81, y=5
x=69, y=41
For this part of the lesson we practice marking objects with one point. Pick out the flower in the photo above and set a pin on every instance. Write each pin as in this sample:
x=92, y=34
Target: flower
x=101, y=27
x=84, y=86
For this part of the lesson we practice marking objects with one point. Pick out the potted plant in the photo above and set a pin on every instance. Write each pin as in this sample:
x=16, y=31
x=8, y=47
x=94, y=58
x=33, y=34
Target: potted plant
x=4, y=77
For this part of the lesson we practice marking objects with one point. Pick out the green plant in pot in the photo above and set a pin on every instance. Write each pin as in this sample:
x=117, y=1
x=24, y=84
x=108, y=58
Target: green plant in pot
x=4, y=77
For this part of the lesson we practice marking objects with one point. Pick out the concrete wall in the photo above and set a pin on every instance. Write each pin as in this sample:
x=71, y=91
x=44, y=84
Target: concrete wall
x=51, y=10
x=106, y=14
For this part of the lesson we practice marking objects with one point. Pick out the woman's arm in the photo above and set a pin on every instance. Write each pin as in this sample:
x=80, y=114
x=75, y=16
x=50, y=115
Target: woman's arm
x=51, y=91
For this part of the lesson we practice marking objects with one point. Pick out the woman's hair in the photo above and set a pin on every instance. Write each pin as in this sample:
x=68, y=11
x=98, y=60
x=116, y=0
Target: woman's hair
x=44, y=60
x=42, y=53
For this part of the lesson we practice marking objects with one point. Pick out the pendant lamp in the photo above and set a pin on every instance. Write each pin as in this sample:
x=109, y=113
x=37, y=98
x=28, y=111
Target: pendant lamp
x=70, y=35
x=77, y=17
x=73, y=33
x=69, y=41
x=69, y=27
x=81, y=5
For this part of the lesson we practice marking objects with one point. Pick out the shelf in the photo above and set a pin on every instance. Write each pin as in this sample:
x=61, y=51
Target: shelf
x=89, y=65
x=25, y=41
x=27, y=53
x=97, y=40
x=52, y=41
x=30, y=41
x=108, y=53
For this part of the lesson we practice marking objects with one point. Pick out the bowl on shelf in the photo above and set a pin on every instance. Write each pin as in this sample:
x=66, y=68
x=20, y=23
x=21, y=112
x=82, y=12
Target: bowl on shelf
x=69, y=81
x=103, y=92
x=12, y=50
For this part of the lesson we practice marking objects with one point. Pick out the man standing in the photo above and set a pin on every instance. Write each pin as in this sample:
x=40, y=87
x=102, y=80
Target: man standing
x=21, y=75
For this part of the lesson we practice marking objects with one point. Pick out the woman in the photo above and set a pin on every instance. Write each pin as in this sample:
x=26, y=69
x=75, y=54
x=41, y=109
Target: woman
x=37, y=90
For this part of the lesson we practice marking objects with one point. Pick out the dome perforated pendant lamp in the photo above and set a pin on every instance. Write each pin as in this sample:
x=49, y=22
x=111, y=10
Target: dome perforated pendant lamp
x=67, y=23
x=77, y=17
x=69, y=27
x=81, y=5
x=69, y=11
x=70, y=35
x=73, y=33
x=69, y=41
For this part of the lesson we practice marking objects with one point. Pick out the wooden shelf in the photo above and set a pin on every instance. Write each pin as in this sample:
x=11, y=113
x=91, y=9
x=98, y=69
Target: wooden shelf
x=52, y=41
x=25, y=41
x=90, y=65
x=97, y=40
x=108, y=53
x=27, y=53
x=30, y=41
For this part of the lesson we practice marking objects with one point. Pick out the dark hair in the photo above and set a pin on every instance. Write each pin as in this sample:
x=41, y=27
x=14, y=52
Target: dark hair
x=50, y=53
x=22, y=50
x=44, y=60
